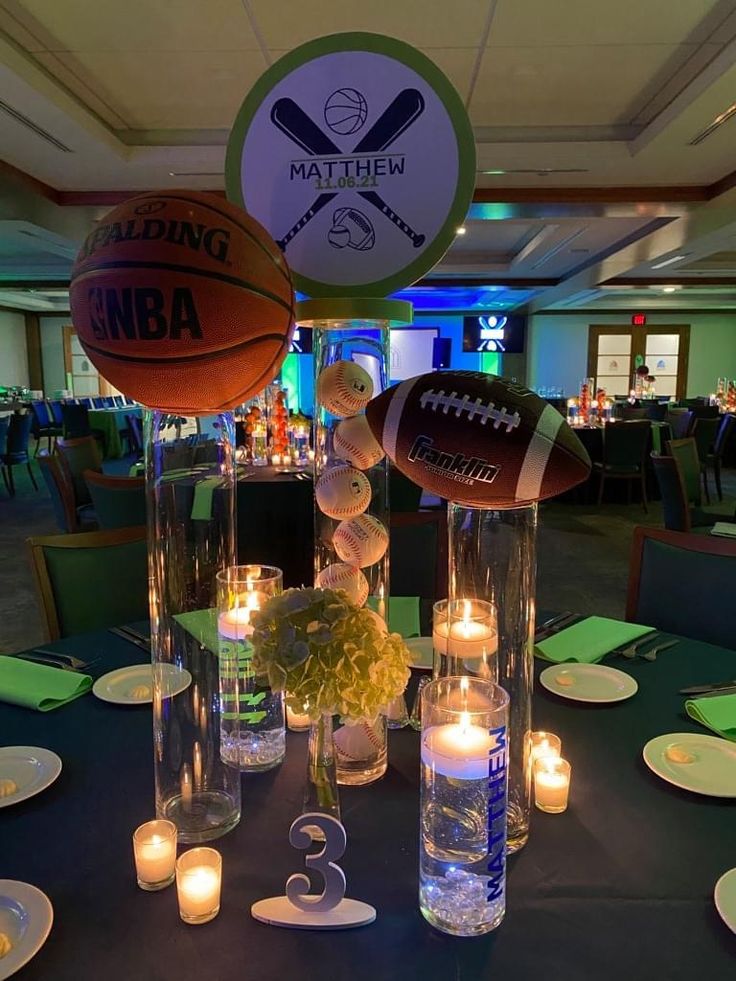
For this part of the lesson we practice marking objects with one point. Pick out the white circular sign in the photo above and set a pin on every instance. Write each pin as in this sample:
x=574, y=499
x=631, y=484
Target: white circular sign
x=356, y=153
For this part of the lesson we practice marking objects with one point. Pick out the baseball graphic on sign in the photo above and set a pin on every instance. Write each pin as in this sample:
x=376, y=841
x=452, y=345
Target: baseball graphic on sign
x=357, y=154
x=345, y=111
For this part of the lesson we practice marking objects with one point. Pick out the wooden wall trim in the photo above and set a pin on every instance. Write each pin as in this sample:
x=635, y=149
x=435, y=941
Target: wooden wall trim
x=34, y=351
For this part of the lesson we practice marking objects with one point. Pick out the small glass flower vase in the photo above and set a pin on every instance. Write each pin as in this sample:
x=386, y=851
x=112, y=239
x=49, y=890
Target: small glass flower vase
x=321, y=793
x=462, y=832
x=361, y=752
x=190, y=487
x=493, y=560
x=253, y=731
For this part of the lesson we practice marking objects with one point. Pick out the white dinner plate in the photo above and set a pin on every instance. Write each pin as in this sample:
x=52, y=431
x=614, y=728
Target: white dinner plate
x=26, y=916
x=422, y=653
x=711, y=772
x=33, y=769
x=118, y=686
x=588, y=682
x=725, y=898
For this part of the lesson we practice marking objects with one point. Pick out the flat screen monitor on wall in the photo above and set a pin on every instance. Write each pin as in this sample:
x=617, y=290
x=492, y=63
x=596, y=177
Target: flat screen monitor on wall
x=412, y=349
x=301, y=342
x=494, y=333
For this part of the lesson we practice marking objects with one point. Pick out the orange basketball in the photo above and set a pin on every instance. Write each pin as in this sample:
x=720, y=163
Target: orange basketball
x=183, y=302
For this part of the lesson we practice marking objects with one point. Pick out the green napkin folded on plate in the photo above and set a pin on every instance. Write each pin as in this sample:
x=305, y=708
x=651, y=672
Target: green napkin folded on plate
x=717, y=713
x=39, y=686
x=589, y=640
x=403, y=614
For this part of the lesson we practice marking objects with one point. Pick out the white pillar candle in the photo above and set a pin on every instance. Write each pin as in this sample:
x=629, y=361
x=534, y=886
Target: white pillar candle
x=154, y=851
x=544, y=744
x=459, y=750
x=551, y=784
x=297, y=721
x=468, y=638
x=235, y=623
x=198, y=884
x=276, y=459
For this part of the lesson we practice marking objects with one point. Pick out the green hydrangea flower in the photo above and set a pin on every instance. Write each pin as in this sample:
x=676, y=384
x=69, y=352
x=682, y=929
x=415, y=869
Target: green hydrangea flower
x=328, y=654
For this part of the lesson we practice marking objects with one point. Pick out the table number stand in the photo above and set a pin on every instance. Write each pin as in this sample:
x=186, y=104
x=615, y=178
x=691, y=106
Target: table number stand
x=330, y=910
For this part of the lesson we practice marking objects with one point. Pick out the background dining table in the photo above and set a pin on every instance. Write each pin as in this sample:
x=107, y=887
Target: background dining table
x=619, y=886
x=110, y=422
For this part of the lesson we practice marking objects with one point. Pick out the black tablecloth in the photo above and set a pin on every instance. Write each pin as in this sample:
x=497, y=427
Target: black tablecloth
x=620, y=886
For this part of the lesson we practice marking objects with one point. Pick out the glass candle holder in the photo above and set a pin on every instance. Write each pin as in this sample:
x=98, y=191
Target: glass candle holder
x=253, y=733
x=464, y=638
x=297, y=721
x=154, y=851
x=462, y=849
x=198, y=884
x=551, y=784
x=544, y=744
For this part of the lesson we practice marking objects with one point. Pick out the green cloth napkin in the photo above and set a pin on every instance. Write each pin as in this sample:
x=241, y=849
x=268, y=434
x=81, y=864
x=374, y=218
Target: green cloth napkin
x=589, y=640
x=717, y=713
x=39, y=686
x=202, y=503
x=403, y=614
x=202, y=625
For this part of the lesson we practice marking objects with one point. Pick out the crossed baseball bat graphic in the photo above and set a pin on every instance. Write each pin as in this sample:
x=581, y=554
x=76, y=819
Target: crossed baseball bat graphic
x=296, y=124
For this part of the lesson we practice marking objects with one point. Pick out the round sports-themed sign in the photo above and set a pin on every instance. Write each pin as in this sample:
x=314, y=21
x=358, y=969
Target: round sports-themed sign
x=357, y=155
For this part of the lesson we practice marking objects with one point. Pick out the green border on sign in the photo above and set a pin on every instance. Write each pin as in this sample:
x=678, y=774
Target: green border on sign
x=452, y=102
x=354, y=308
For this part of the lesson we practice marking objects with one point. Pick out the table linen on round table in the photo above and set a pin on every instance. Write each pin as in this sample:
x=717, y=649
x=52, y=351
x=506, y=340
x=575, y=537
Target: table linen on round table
x=111, y=422
x=620, y=885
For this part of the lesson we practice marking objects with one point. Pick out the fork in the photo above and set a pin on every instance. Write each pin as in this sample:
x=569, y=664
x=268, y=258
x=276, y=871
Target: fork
x=73, y=662
x=52, y=662
x=632, y=649
x=651, y=655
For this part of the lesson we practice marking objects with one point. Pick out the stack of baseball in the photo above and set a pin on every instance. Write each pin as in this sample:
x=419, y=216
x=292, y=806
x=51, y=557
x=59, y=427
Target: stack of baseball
x=343, y=491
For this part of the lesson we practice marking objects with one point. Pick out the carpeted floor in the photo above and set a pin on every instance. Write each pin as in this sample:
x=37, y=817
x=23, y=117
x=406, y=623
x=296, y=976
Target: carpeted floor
x=583, y=554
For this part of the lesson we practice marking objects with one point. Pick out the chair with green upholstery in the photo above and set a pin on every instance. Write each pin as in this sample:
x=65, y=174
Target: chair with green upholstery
x=418, y=559
x=91, y=581
x=705, y=432
x=119, y=502
x=78, y=455
x=624, y=456
x=60, y=492
x=683, y=584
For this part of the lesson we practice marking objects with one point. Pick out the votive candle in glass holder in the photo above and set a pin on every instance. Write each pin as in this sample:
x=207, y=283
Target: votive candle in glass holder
x=297, y=721
x=544, y=744
x=464, y=638
x=551, y=784
x=198, y=884
x=154, y=850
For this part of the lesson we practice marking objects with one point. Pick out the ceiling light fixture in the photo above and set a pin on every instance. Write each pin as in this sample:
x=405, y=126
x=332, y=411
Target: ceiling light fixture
x=668, y=262
x=461, y=230
x=670, y=289
x=196, y=173
x=720, y=119
x=538, y=171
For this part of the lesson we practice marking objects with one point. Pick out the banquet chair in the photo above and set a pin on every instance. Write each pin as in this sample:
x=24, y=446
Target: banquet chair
x=98, y=402
x=78, y=455
x=675, y=505
x=686, y=454
x=631, y=412
x=90, y=581
x=43, y=425
x=119, y=502
x=418, y=558
x=624, y=456
x=87, y=401
x=681, y=422
x=61, y=494
x=655, y=411
x=76, y=422
x=715, y=457
x=705, y=432
x=135, y=432
x=16, y=450
x=118, y=401
x=683, y=584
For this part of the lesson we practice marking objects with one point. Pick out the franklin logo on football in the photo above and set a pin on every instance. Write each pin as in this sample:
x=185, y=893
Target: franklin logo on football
x=456, y=466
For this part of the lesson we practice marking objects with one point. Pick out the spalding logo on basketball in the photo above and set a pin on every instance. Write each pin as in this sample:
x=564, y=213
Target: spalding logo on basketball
x=477, y=439
x=183, y=302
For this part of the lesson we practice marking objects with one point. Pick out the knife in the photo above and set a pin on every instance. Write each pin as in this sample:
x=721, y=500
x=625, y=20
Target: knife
x=718, y=691
x=703, y=689
x=119, y=632
x=555, y=625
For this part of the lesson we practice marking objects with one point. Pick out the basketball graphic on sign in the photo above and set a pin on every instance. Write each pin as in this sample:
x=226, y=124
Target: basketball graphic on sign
x=346, y=111
x=357, y=155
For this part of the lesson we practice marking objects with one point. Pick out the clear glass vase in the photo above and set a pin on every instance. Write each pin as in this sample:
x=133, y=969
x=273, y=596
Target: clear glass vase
x=190, y=485
x=321, y=793
x=361, y=751
x=493, y=560
x=252, y=715
x=462, y=832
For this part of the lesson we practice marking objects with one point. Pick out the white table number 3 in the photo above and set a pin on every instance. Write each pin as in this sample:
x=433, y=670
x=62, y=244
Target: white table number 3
x=328, y=910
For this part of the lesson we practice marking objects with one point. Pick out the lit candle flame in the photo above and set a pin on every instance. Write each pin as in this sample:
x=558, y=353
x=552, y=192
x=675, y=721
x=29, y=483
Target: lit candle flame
x=464, y=722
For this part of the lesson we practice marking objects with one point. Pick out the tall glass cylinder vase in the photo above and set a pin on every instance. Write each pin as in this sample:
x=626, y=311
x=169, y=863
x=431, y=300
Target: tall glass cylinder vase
x=190, y=486
x=493, y=560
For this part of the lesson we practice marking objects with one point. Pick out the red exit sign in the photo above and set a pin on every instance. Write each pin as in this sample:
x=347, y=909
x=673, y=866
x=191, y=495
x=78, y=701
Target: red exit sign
x=639, y=320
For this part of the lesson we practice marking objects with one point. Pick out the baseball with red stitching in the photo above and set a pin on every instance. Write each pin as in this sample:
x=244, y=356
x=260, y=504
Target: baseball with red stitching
x=339, y=575
x=342, y=492
x=344, y=388
x=354, y=442
x=357, y=742
x=360, y=541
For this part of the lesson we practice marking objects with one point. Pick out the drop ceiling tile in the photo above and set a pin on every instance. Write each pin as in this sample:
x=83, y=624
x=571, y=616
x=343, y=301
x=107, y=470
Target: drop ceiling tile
x=539, y=23
x=563, y=86
x=457, y=64
x=425, y=25
x=140, y=25
x=172, y=90
x=12, y=22
x=88, y=96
